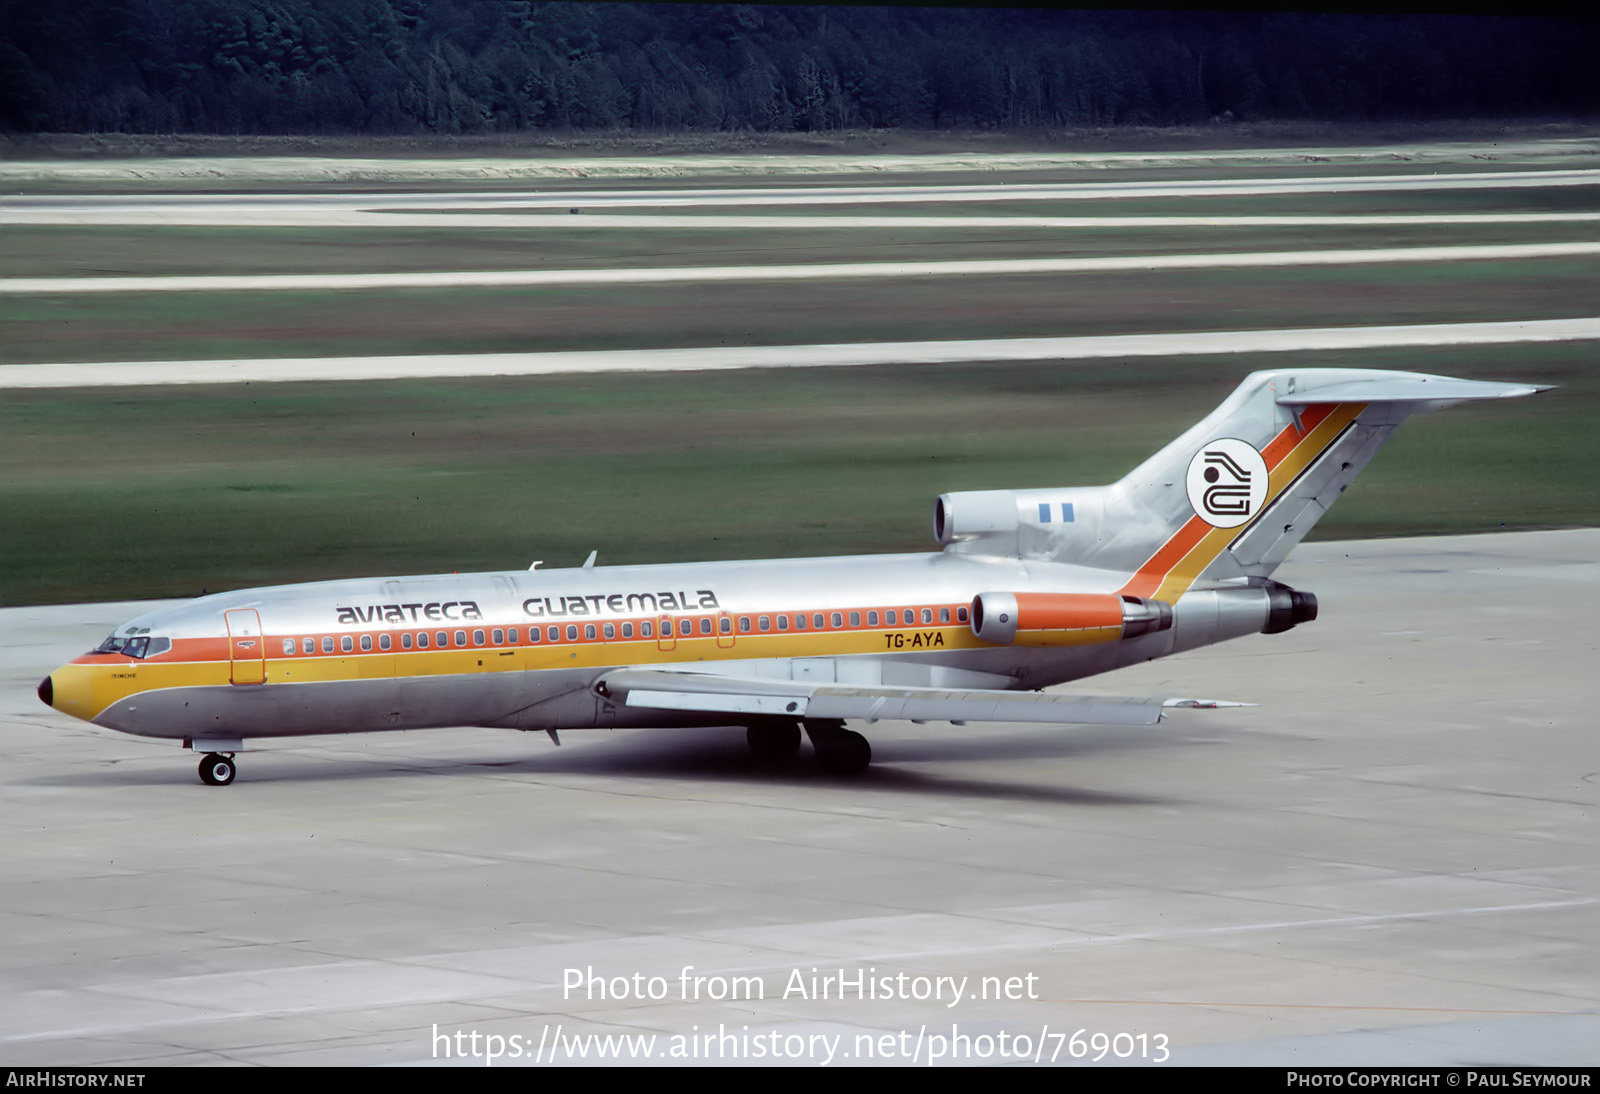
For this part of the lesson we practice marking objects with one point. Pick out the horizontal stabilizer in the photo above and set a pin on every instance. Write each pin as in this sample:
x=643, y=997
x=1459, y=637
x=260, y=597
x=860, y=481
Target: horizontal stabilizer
x=662, y=690
x=1308, y=387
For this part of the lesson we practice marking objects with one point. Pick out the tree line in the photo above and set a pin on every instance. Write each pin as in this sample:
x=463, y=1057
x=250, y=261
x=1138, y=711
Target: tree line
x=473, y=66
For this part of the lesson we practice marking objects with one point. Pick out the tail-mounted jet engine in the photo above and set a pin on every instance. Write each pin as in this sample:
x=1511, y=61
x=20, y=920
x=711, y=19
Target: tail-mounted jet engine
x=1065, y=619
x=1287, y=608
x=975, y=514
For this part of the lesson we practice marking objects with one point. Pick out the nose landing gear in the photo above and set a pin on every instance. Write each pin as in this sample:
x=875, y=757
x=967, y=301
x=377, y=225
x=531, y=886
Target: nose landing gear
x=217, y=769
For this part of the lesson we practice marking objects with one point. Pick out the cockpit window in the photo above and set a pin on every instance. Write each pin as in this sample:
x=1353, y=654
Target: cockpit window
x=138, y=646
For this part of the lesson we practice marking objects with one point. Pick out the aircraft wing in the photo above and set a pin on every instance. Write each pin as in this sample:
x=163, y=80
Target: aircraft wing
x=667, y=690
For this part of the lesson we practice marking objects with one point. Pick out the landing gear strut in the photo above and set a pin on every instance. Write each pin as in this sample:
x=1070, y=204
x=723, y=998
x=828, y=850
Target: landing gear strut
x=839, y=751
x=217, y=769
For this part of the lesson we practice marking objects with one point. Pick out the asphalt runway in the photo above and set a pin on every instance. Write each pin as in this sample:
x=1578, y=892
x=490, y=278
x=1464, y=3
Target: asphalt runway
x=1390, y=861
x=700, y=358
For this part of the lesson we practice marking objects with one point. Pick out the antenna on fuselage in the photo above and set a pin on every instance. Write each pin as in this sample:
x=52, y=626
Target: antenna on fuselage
x=537, y=564
x=588, y=563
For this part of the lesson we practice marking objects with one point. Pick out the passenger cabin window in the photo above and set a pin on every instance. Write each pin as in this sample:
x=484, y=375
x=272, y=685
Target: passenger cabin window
x=511, y=634
x=384, y=642
x=816, y=621
x=572, y=632
x=855, y=619
x=799, y=622
x=477, y=638
x=927, y=615
x=744, y=624
x=838, y=620
x=627, y=630
x=366, y=643
x=705, y=626
x=441, y=639
x=327, y=645
x=588, y=630
x=308, y=645
x=534, y=634
x=891, y=617
x=405, y=641
x=422, y=640
x=961, y=614
x=288, y=645
x=347, y=644
x=554, y=634
x=611, y=630
x=765, y=623
x=499, y=636
x=645, y=630
x=783, y=622
x=461, y=638
x=872, y=619
x=944, y=615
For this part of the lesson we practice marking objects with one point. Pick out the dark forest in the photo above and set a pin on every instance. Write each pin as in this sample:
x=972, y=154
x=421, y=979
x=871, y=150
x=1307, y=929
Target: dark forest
x=467, y=66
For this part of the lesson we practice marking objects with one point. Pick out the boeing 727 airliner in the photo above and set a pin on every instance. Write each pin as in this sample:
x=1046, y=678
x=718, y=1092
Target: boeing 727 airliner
x=1031, y=588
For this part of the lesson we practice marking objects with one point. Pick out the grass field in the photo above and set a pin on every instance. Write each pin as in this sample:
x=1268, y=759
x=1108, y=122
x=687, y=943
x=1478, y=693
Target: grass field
x=32, y=251
x=205, y=325
x=165, y=492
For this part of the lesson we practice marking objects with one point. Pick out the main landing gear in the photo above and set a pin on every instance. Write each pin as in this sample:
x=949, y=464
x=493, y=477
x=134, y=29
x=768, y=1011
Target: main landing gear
x=839, y=751
x=217, y=769
x=773, y=741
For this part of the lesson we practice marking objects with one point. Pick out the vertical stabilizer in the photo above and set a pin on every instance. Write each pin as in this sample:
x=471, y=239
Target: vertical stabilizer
x=1228, y=499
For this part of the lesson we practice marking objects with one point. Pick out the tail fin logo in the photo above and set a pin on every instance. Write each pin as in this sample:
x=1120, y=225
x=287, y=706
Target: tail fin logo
x=1227, y=483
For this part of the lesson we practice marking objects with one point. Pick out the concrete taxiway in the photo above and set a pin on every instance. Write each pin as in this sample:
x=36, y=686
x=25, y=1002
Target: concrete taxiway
x=700, y=358
x=1390, y=860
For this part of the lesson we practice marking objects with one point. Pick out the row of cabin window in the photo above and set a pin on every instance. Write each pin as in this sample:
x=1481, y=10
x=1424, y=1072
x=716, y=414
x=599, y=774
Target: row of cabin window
x=685, y=628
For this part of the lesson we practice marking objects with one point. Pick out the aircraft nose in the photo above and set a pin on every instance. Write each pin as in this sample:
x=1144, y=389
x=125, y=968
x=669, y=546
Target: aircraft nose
x=72, y=689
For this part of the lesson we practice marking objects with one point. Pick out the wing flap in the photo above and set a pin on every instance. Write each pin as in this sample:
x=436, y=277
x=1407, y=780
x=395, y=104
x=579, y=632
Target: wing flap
x=664, y=690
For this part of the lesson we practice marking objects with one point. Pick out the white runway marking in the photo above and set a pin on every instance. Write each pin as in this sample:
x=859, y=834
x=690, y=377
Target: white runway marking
x=820, y=271
x=735, y=357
